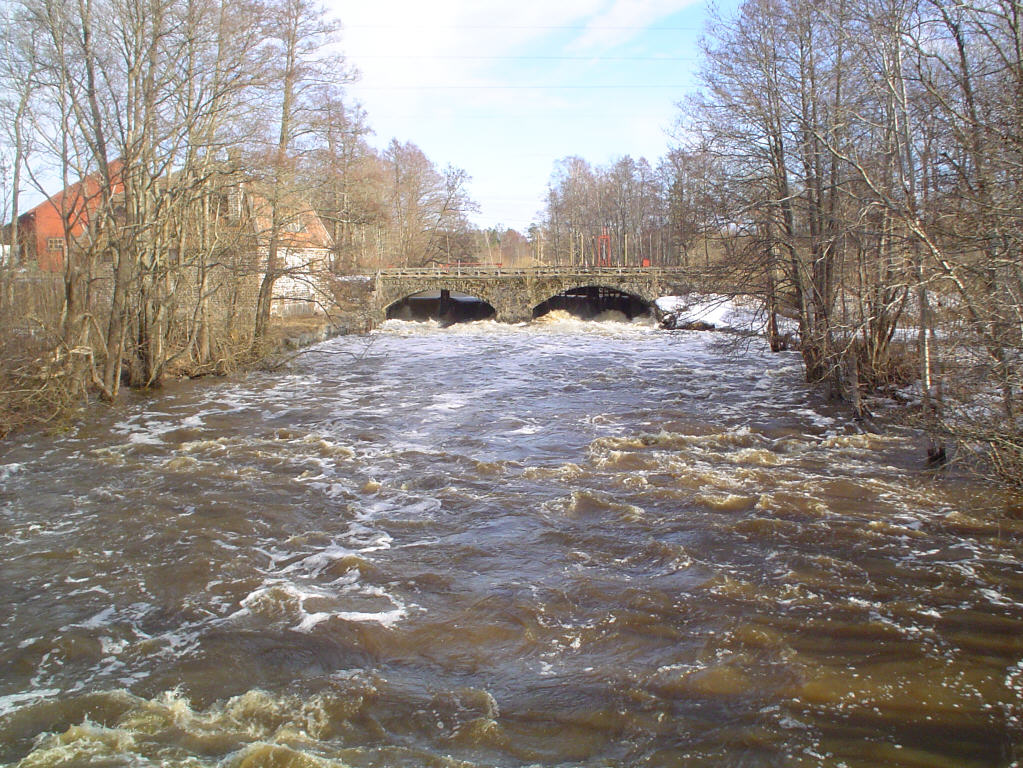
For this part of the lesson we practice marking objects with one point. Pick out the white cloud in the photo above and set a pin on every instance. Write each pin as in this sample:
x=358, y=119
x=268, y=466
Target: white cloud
x=624, y=20
x=445, y=28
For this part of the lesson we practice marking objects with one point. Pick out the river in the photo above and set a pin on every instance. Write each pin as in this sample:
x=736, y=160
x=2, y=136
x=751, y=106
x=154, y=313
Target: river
x=561, y=544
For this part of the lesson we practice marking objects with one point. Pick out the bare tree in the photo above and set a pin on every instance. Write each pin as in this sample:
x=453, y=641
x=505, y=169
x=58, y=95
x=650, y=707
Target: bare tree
x=300, y=36
x=426, y=206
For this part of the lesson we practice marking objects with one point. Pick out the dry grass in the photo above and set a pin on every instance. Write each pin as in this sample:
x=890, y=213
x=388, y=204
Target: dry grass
x=899, y=369
x=284, y=328
x=32, y=389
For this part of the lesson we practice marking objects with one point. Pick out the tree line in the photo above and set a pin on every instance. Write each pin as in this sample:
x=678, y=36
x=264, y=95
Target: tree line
x=858, y=165
x=871, y=151
x=629, y=212
x=168, y=108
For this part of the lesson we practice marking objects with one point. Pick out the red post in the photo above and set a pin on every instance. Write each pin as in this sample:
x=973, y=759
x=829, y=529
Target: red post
x=604, y=249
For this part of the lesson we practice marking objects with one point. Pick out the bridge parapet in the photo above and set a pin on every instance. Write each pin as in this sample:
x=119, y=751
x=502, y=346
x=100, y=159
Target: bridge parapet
x=469, y=270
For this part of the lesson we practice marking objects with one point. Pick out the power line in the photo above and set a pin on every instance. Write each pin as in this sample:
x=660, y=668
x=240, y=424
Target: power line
x=644, y=86
x=402, y=57
x=504, y=117
x=503, y=27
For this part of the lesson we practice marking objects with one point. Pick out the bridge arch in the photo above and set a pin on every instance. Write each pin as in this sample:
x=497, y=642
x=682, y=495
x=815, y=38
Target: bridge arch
x=389, y=294
x=592, y=300
x=443, y=305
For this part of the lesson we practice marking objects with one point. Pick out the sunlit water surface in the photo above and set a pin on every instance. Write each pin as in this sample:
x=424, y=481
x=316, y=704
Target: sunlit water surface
x=556, y=545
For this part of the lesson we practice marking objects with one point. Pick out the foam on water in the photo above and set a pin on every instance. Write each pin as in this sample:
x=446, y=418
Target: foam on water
x=6, y=470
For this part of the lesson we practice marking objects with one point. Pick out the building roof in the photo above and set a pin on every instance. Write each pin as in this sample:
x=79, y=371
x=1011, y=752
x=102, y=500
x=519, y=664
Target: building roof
x=302, y=226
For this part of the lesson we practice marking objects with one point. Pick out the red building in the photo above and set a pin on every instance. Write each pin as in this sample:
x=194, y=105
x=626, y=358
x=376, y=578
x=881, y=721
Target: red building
x=44, y=231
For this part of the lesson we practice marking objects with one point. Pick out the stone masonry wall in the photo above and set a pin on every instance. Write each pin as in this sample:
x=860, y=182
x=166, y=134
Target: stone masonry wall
x=513, y=296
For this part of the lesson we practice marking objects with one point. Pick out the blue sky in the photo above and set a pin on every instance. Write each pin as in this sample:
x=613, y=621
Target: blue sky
x=504, y=89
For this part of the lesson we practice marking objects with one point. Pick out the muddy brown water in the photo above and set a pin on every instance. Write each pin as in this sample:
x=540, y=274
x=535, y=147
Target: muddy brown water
x=557, y=545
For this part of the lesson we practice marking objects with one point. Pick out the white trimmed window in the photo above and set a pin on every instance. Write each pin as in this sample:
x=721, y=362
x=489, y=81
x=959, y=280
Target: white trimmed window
x=55, y=245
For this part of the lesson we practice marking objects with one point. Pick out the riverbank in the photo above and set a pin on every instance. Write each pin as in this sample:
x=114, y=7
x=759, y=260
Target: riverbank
x=960, y=421
x=298, y=332
x=34, y=394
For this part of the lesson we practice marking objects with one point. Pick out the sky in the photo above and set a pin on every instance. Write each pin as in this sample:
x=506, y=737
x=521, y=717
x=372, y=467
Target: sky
x=503, y=89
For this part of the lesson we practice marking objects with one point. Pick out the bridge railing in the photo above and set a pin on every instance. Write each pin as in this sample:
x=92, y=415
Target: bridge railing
x=469, y=270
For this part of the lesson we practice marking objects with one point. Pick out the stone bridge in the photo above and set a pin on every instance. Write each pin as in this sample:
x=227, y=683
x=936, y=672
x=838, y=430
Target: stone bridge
x=515, y=292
